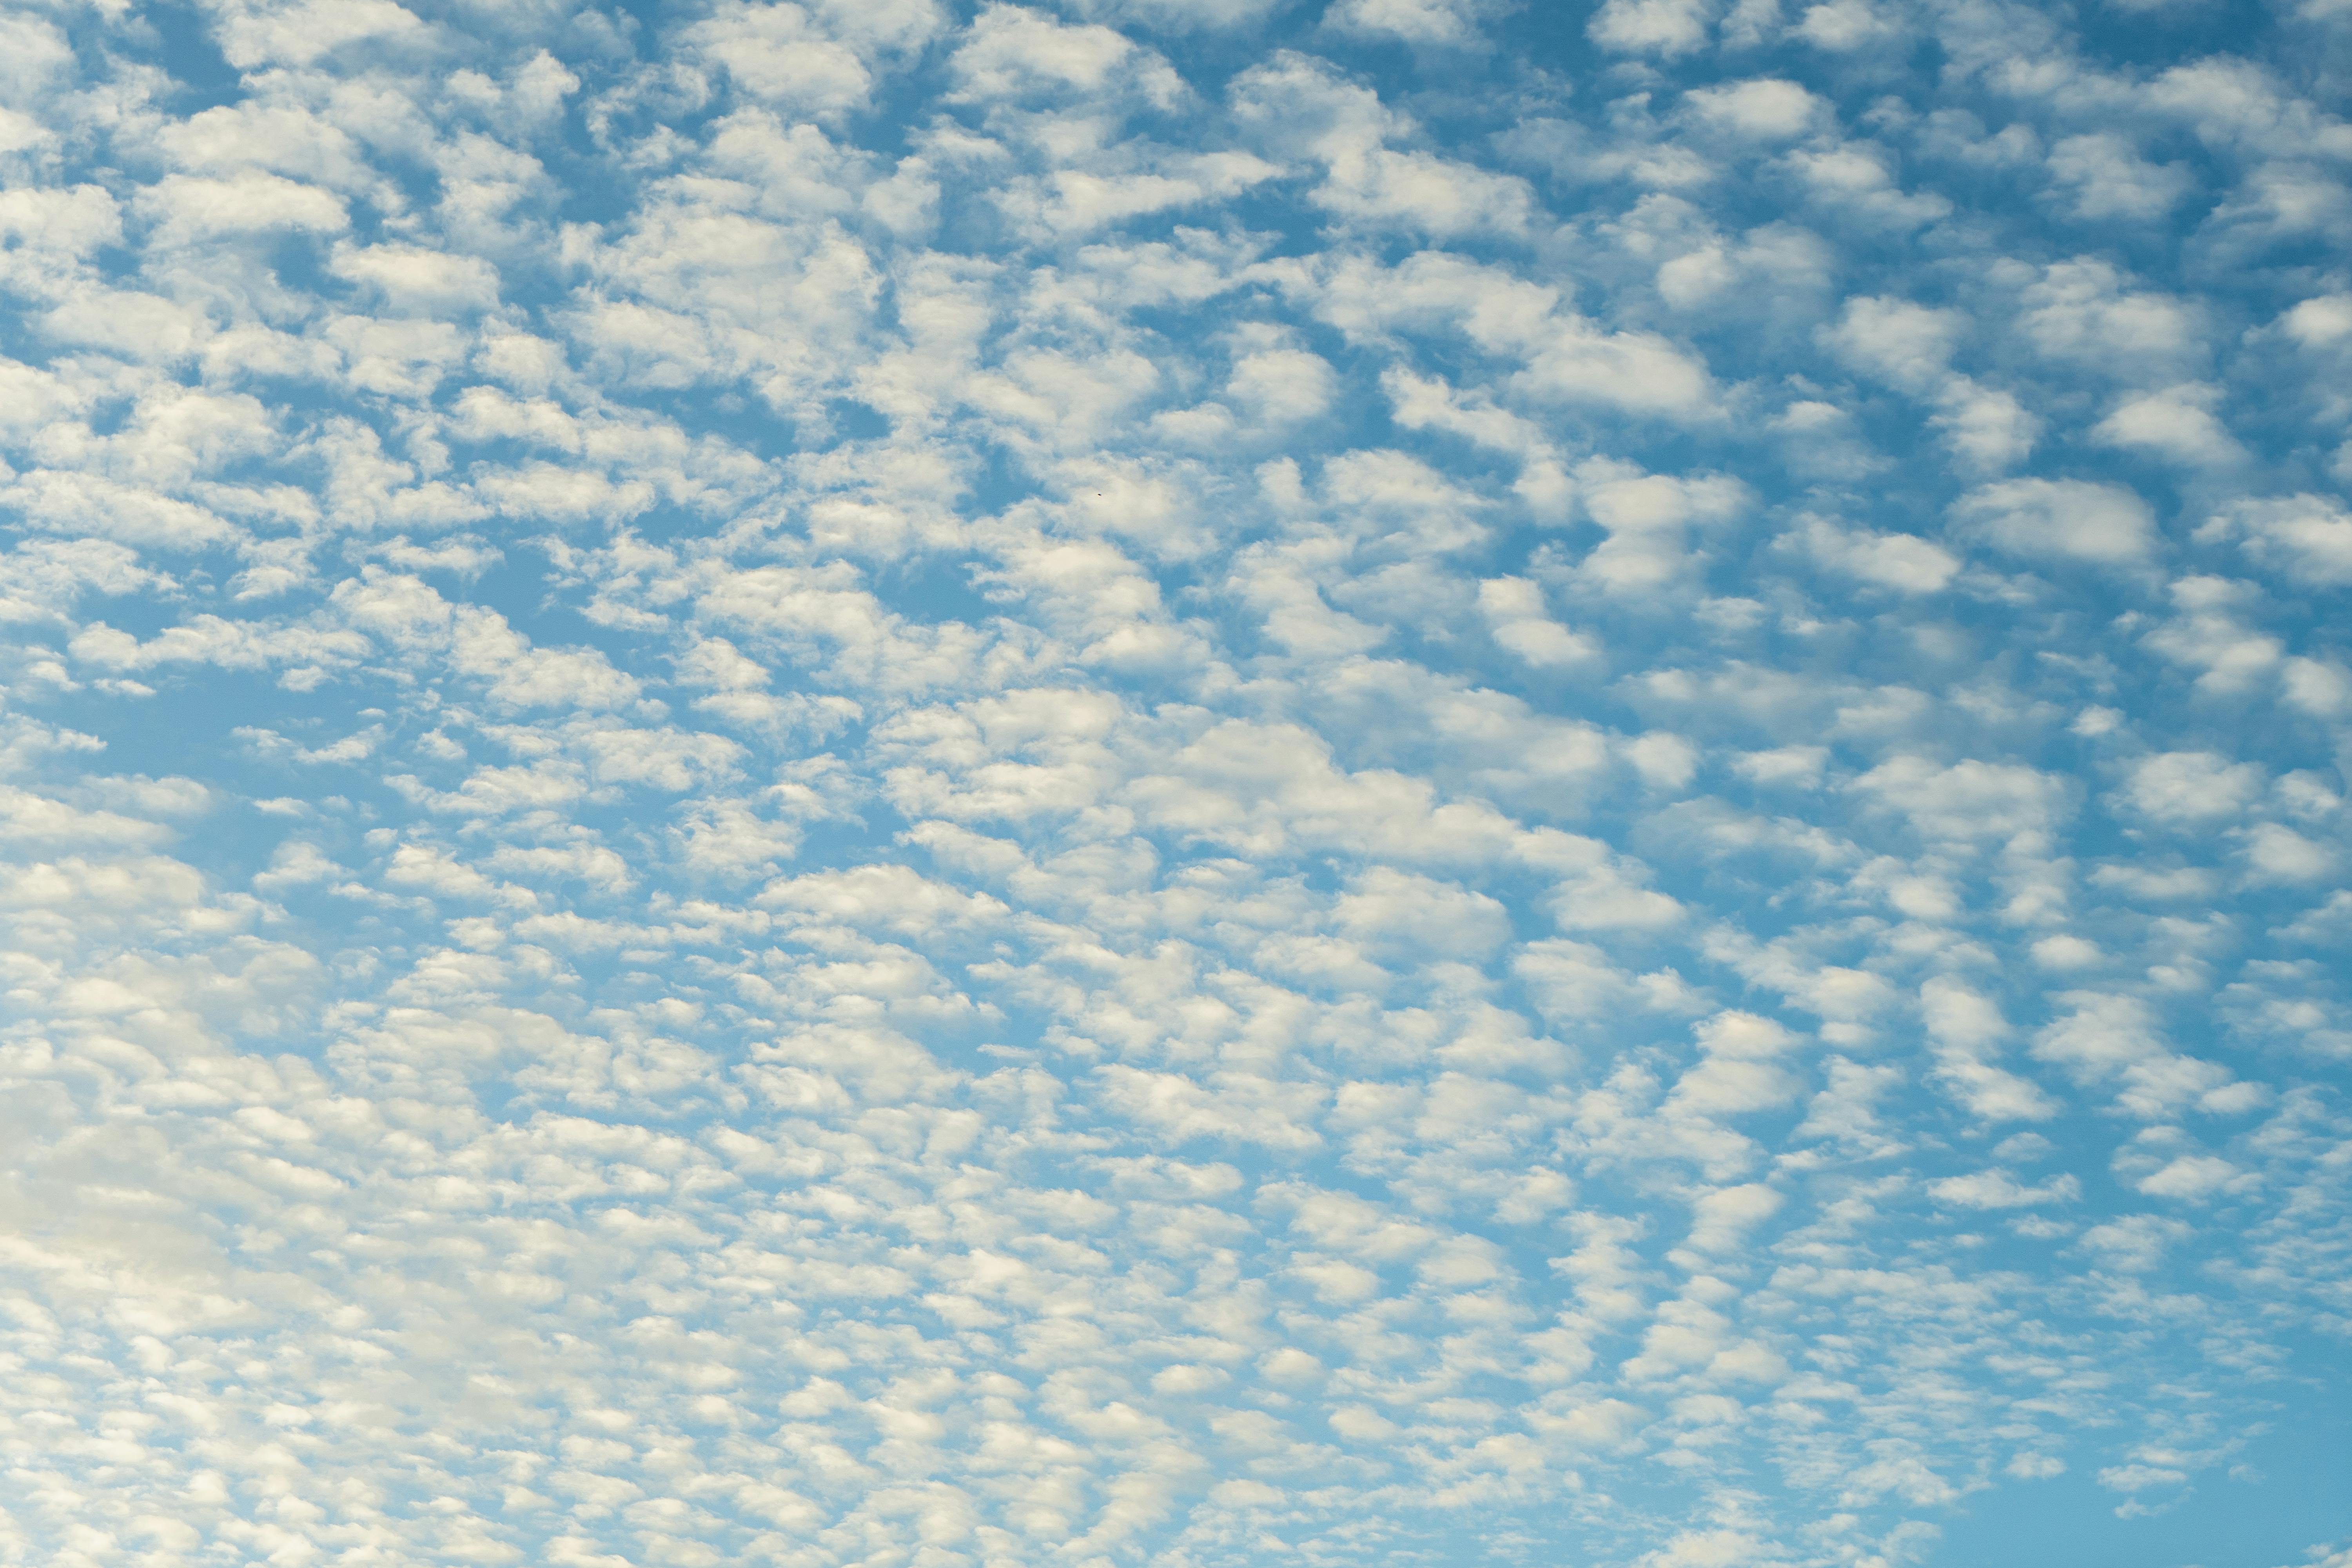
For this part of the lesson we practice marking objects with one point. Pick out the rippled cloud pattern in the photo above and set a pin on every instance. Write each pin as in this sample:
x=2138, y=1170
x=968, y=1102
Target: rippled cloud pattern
x=1177, y=782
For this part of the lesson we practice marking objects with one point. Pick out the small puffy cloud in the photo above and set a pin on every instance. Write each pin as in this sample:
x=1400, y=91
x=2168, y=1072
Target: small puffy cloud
x=1998, y=1189
x=1988, y=429
x=1665, y=27
x=1842, y=26
x=294, y=864
x=1902, y=342
x=1567, y=358
x=1643, y=371
x=1902, y=562
x=300, y=34
x=59, y=224
x=1011, y=51
x=2317, y=687
x=1574, y=981
x=2117, y=1042
x=1709, y=1548
x=412, y=278
x=1797, y=765
x=1721, y=1219
x=1910, y=347
x=2192, y=787
x=1859, y=181
x=1454, y=23
x=2175, y=424
x=2210, y=633
x=1281, y=386
x=192, y=207
x=436, y=872
x=1739, y=1071
x=891, y=897
x=1514, y=611
x=2066, y=951
x=2190, y=1176
x=2059, y=520
x=1968, y=799
x=36, y=53
x=2103, y=177
x=1415, y=917
x=2319, y=321
x=1968, y=1035
x=779, y=54
x=1655, y=522
x=1302, y=106
x=1762, y=109
x=2134, y=1243
x=2305, y=539
x=2277, y=852
x=2085, y=313
x=1664, y=760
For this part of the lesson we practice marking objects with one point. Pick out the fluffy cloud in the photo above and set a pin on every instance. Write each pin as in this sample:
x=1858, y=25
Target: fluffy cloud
x=2060, y=520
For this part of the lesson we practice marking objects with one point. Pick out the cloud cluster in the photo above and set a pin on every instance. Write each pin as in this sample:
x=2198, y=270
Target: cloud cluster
x=1123, y=782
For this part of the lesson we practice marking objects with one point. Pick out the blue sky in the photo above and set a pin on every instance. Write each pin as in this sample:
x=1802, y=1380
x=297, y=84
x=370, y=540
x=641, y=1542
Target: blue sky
x=1180, y=782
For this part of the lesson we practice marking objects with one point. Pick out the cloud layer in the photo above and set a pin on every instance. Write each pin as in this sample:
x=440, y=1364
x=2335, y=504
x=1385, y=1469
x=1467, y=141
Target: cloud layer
x=1401, y=781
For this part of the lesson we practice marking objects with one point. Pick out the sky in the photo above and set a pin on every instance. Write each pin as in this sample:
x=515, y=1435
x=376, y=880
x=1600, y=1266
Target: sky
x=1195, y=783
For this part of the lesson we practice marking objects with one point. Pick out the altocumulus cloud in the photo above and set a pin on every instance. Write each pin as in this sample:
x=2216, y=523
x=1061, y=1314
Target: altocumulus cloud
x=889, y=782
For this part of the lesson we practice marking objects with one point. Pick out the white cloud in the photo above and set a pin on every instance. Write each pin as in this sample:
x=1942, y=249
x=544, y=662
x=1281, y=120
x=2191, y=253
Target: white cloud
x=1667, y=27
x=2000, y=1190
x=777, y=53
x=1567, y=358
x=2105, y=179
x=1650, y=519
x=1299, y=104
x=2110, y=1039
x=2307, y=539
x=191, y=208
x=1514, y=609
x=1969, y=799
x=2189, y=1176
x=2176, y=422
x=1898, y=560
x=1910, y=347
x=1842, y=25
x=871, y=779
x=1969, y=1035
x=413, y=278
x=1455, y=23
x=2134, y=1243
x=299, y=34
x=2188, y=787
x=2059, y=520
x=1012, y=50
x=2084, y=311
x=1762, y=109
x=2319, y=320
